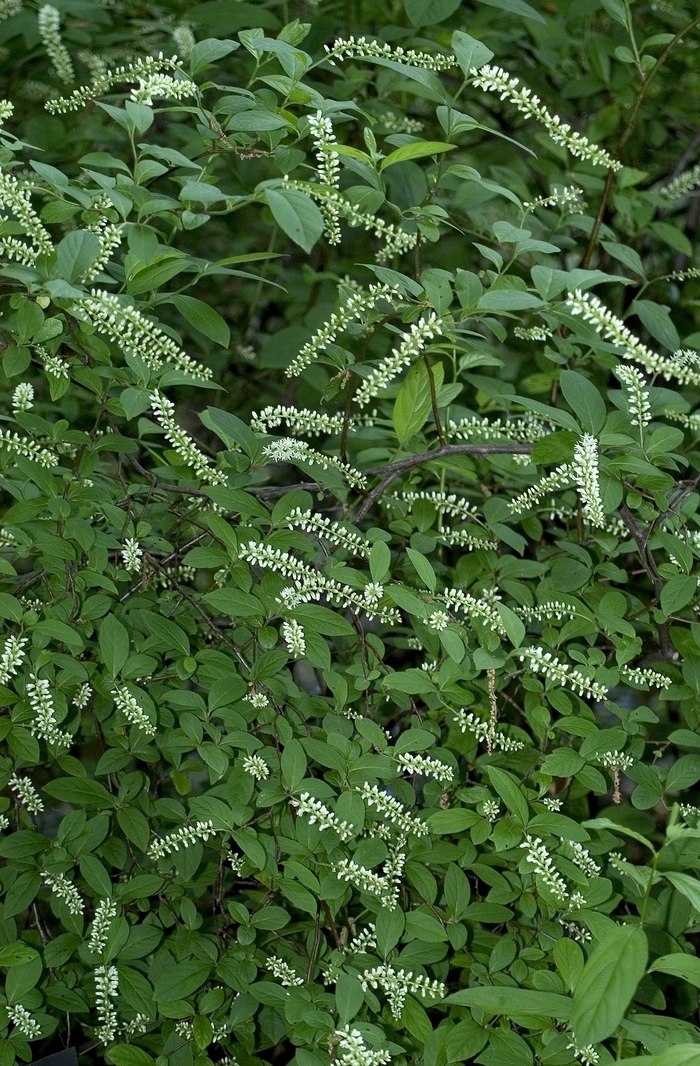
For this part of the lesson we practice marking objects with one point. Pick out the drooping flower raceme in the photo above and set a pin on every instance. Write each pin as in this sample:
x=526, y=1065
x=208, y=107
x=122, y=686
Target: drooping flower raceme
x=164, y=410
x=426, y=766
x=105, y=913
x=13, y=655
x=66, y=891
x=495, y=79
x=127, y=327
x=22, y=396
x=26, y=793
x=326, y=529
x=586, y=470
x=412, y=345
x=50, y=30
x=132, y=556
x=256, y=766
x=162, y=87
x=316, y=811
x=290, y=450
x=304, y=421
x=560, y=478
x=681, y=185
x=184, y=39
x=15, y=195
x=106, y=988
x=184, y=837
x=392, y=810
x=132, y=710
x=44, y=723
x=283, y=972
x=637, y=395
x=352, y=1050
x=398, y=983
x=614, y=330
x=294, y=638
x=543, y=662
x=103, y=80
x=9, y=8
x=350, y=48
x=321, y=129
x=23, y=1020
x=543, y=862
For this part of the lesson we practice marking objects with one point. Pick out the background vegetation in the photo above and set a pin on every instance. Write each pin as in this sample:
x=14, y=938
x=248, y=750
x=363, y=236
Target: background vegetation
x=350, y=543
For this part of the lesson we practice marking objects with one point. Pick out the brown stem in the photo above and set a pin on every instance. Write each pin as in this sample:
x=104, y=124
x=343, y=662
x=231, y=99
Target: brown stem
x=433, y=401
x=627, y=133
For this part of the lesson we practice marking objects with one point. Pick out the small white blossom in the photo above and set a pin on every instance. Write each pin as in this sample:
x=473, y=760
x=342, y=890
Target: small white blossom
x=13, y=655
x=543, y=662
x=569, y=196
x=16, y=196
x=283, y=972
x=288, y=450
x=44, y=723
x=256, y=766
x=22, y=396
x=616, y=760
x=587, y=1055
x=540, y=858
x=586, y=470
x=469, y=723
x=325, y=144
x=82, y=696
x=495, y=79
x=532, y=333
x=425, y=765
x=581, y=858
x=184, y=837
x=638, y=394
x=352, y=1050
x=412, y=345
x=164, y=411
x=392, y=810
x=66, y=891
x=105, y=913
x=257, y=700
x=398, y=983
x=162, y=87
x=316, y=811
x=491, y=809
x=132, y=710
x=106, y=988
x=294, y=638
x=438, y=620
x=325, y=529
x=8, y=9
x=560, y=478
x=50, y=30
x=26, y=793
x=23, y=1020
x=551, y=803
x=132, y=556
x=645, y=677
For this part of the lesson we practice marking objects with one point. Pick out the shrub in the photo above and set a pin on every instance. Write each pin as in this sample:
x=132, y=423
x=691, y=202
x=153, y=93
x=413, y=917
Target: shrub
x=350, y=681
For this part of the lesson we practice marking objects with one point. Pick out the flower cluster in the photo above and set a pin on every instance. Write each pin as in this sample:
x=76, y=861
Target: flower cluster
x=581, y=858
x=256, y=766
x=22, y=396
x=399, y=123
x=184, y=39
x=638, y=395
x=127, y=327
x=82, y=696
x=109, y=234
x=316, y=811
x=438, y=620
x=560, y=478
x=481, y=609
x=569, y=196
x=296, y=420
x=44, y=723
x=550, y=609
x=325, y=528
x=289, y=450
x=66, y=891
x=681, y=185
x=497, y=80
x=586, y=469
x=321, y=129
x=50, y=30
x=464, y=538
x=395, y=241
x=132, y=556
x=616, y=760
x=23, y=1020
x=614, y=330
x=350, y=48
x=366, y=880
x=309, y=584
x=162, y=87
x=526, y=429
x=16, y=196
x=445, y=503
x=132, y=710
x=164, y=411
x=13, y=655
x=392, y=810
x=364, y=942
x=358, y=302
x=543, y=862
x=469, y=723
x=106, y=988
x=532, y=333
x=490, y=809
x=426, y=766
x=105, y=913
x=9, y=8
x=295, y=638
x=398, y=983
x=543, y=662
x=184, y=837
x=54, y=365
x=352, y=1050
x=412, y=345
x=645, y=677
x=587, y=1055
x=103, y=80
x=283, y=972
x=26, y=793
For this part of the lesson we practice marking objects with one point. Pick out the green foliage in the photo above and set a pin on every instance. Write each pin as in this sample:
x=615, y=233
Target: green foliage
x=350, y=544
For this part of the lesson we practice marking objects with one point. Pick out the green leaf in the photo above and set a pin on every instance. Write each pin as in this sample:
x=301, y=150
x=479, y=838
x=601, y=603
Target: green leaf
x=129, y=1055
x=235, y=603
x=508, y=789
x=687, y=967
x=203, y=317
x=513, y=1001
x=296, y=215
x=208, y=51
x=584, y=400
x=515, y=630
x=413, y=403
x=16, y=954
x=76, y=253
x=180, y=981
x=430, y=12
x=515, y=7
x=470, y=52
x=349, y=996
x=423, y=568
x=114, y=644
x=608, y=983
x=687, y=885
x=657, y=320
x=678, y=592
x=418, y=149
x=80, y=791
x=607, y=823
x=508, y=300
